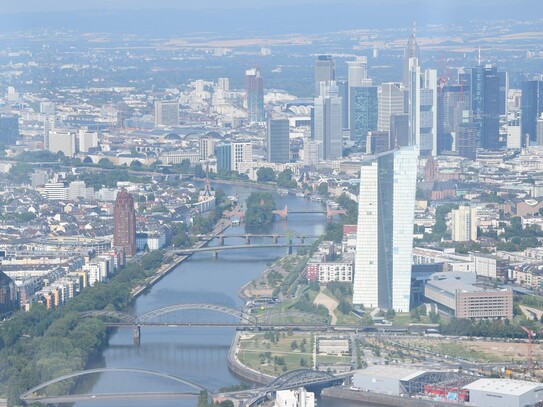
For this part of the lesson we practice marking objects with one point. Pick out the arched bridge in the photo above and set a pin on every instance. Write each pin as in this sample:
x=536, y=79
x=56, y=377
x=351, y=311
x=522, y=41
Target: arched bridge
x=32, y=396
x=208, y=315
x=301, y=377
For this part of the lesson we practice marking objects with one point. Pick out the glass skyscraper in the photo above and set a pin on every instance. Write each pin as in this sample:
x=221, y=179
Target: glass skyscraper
x=364, y=112
x=386, y=207
x=278, y=141
x=255, y=95
x=531, y=107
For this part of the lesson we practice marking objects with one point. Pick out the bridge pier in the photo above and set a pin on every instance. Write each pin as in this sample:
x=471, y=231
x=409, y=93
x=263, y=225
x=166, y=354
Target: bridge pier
x=215, y=254
x=137, y=335
x=302, y=239
x=221, y=240
x=274, y=239
x=289, y=247
x=247, y=239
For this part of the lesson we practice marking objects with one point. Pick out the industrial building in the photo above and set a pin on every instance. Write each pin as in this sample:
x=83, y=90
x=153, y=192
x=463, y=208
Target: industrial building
x=504, y=393
x=397, y=380
x=456, y=293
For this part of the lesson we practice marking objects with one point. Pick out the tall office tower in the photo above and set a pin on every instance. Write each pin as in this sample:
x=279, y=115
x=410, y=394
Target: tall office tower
x=414, y=102
x=87, y=139
x=531, y=105
x=255, y=95
x=428, y=114
x=241, y=155
x=390, y=97
x=485, y=105
x=504, y=91
x=224, y=156
x=377, y=142
x=327, y=121
x=399, y=130
x=467, y=137
x=357, y=76
x=223, y=84
x=9, y=129
x=124, y=218
x=343, y=93
x=166, y=113
x=207, y=147
x=62, y=140
x=448, y=98
x=325, y=71
x=312, y=151
x=364, y=113
x=411, y=51
x=539, y=131
x=278, y=141
x=357, y=72
x=464, y=223
x=384, y=243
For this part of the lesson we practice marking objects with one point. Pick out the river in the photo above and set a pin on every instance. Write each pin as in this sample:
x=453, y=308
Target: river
x=197, y=354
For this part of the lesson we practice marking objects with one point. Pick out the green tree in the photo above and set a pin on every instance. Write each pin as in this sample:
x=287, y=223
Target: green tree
x=322, y=189
x=260, y=207
x=265, y=174
x=284, y=179
x=20, y=172
x=105, y=163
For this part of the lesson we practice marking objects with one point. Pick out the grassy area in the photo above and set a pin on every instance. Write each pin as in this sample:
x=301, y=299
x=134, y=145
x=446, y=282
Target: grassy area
x=278, y=355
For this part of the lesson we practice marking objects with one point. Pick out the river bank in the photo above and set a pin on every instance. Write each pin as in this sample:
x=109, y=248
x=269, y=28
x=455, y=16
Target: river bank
x=165, y=269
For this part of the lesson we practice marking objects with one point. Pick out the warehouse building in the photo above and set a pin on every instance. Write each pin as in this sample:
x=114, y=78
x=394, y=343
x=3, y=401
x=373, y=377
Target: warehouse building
x=456, y=293
x=504, y=393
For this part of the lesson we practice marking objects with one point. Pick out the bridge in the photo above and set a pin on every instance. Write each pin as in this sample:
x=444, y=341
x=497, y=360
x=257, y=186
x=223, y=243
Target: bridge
x=32, y=396
x=283, y=213
x=290, y=380
x=249, y=236
x=205, y=315
x=216, y=249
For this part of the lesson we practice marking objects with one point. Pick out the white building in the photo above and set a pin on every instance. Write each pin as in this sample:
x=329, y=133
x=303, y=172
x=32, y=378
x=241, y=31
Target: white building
x=504, y=393
x=166, y=113
x=294, y=398
x=78, y=189
x=241, y=155
x=386, y=211
x=56, y=191
x=87, y=140
x=62, y=140
x=327, y=126
x=464, y=223
x=391, y=101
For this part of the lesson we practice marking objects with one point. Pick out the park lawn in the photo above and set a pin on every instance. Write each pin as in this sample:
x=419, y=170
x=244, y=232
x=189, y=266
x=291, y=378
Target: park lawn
x=250, y=351
x=347, y=319
x=333, y=359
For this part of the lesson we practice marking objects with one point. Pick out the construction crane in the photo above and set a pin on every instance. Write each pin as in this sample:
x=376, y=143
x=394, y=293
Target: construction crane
x=531, y=335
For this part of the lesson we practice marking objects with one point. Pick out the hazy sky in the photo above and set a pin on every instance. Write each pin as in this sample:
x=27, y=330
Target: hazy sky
x=9, y=6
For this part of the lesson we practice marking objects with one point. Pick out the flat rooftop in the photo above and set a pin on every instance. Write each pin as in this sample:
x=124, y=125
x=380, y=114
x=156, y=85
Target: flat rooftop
x=504, y=386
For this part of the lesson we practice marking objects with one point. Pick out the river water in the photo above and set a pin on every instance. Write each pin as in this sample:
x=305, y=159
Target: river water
x=197, y=354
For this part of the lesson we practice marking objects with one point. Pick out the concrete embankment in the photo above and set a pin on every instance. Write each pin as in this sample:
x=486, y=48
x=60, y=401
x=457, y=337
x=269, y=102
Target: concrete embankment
x=243, y=371
x=376, y=399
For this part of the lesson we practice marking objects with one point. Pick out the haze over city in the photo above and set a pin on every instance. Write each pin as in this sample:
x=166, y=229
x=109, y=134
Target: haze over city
x=287, y=203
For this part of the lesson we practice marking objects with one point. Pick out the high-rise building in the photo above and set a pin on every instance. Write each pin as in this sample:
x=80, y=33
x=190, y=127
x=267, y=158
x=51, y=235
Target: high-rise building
x=386, y=206
x=124, y=219
x=255, y=95
x=9, y=129
x=485, y=105
x=62, y=140
x=357, y=76
x=377, y=142
x=399, y=130
x=87, y=140
x=364, y=112
x=278, y=141
x=414, y=101
x=166, y=113
x=531, y=104
x=241, y=155
x=223, y=152
x=428, y=114
x=207, y=147
x=448, y=99
x=325, y=71
x=327, y=121
x=391, y=101
x=466, y=141
x=464, y=223
x=411, y=51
